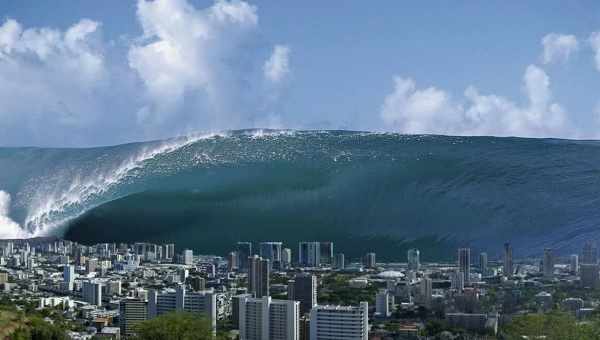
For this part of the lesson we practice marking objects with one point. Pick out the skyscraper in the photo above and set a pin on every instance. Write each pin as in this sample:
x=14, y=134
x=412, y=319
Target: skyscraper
x=464, y=263
x=169, y=253
x=268, y=319
x=69, y=276
x=340, y=322
x=188, y=257
x=548, y=263
x=382, y=303
x=426, y=291
x=305, y=291
x=574, y=264
x=340, y=261
x=483, y=264
x=258, y=276
x=131, y=313
x=589, y=254
x=92, y=292
x=326, y=252
x=272, y=252
x=370, y=260
x=232, y=261
x=414, y=261
x=508, y=260
x=309, y=254
x=244, y=251
x=286, y=258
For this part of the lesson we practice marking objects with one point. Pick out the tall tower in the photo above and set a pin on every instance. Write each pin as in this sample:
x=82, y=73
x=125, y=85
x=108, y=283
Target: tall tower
x=464, y=263
x=414, y=261
x=258, y=276
x=548, y=263
x=508, y=260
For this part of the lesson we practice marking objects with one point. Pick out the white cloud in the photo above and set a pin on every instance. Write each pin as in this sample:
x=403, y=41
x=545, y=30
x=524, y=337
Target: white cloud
x=558, y=47
x=277, y=67
x=431, y=110
x=8, y=228
x=187, y=50
x=595, y=44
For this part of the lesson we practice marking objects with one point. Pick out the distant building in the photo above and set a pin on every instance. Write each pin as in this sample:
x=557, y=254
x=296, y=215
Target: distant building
x=340, y=261
x=474, y=322
x=548, y=263
x=382, y=303
x=304, y=289
x=414, y=261
x=272, y=252
x=169, y=252
x=589, y=254
x=589, y=276
x=92, y=292
x=286, y=258
x=370, y=260
x=508, y=260
x=267, y=319
x=188, y=257
x=69, y=276
x=340, y=322
x=326, y=253
x=426, y=291
x=464, y=263
x=131, y=313
x=244, y=251
x=309, y=254
x=574, y=264
x=91, y=265
x=483, y=264
x=235, y=309
x=259, y=270
x=232, y=261
x=203, y=302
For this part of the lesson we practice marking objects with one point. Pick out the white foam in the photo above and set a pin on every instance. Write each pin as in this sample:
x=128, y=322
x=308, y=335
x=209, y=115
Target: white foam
x=9, y=229
x=49, y=203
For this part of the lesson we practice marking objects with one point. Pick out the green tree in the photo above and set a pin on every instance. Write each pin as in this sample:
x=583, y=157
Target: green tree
x=175, y=326
x=551, y=326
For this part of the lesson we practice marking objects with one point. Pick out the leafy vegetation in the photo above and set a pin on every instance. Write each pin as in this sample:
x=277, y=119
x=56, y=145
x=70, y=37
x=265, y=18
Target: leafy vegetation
x=176, y=326
x=551, y=326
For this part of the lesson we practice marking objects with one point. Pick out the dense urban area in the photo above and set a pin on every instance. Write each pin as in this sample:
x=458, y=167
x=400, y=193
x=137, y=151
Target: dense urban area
x=58, y=289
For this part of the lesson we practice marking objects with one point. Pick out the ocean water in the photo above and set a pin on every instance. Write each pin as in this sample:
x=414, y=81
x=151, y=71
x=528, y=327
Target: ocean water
x=364, y=191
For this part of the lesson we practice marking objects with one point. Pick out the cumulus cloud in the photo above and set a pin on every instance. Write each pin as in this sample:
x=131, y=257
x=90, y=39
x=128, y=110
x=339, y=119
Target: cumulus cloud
x=430, y=110
x=186, y=51
x=277, y=67
x=8, y=228
x=558, y=48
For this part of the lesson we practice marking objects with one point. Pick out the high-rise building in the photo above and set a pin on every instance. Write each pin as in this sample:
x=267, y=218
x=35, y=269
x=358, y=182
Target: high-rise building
x=589, y=275
x=382, y=303
x=202, y=302
x=131, y=313
x=589, y=255
x=235, y=309
x=304, y=290
x=69, y=276
x=232, y=261
x=169, y=253
x=340, y=261
x=309, y=254
x=426, y=291
x=326, y=253
x=457, y=281
x=340, y=322
x=197, y=283
x=464, y=263
x=483, y=263
x=548, y=263
x=244, y=251
x=258, y=276
x=414, y=261
x=91, y=265
x=92, y=292
x=574, y=264
x=370, y=260
x=272, y=252
x=188, y=257
x=508, y=260
x=267, y=319
x=286, y=258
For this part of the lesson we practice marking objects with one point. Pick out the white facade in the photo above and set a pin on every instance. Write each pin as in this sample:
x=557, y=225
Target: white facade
x=340, y=322
x=203, y=302
x=382, y=304
x=267, y=319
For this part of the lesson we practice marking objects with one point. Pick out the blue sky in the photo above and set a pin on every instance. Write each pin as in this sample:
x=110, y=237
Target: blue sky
x=464, y=68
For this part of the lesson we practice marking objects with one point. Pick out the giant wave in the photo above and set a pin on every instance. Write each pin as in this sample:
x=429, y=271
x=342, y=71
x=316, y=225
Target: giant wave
x=365, y=191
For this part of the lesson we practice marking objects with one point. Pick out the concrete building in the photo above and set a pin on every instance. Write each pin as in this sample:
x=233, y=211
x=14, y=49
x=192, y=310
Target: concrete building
x=464, y=263
x=188, y=257
x=340, y=322
x=267, y=319
x=589, y=276
x=414, y=259
x=303, y=289
x=92, y=292
x=574, y=264
x=340, y=261
x=426, y=291
x=382, y=304
x=232, y=261
x=91, y=265
x=286, y=258
x=244, y=251
x=203, y=302
x=483, y=264
x=169, y=252
x=272, y=252
x=370, y=260
x=235, y=308
x=131, y=313
x=508, y=269
x=589, y=255
x=548, y=263
x=69, y=276
x=259, y=270
x=326, y=253
x=474, y=322
x=309, y=254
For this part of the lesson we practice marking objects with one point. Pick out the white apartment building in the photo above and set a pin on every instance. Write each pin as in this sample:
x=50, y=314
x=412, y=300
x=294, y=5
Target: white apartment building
x=340, y=322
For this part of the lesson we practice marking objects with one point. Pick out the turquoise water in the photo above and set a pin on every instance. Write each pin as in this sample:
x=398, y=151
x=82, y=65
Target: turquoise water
x=364, y=191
